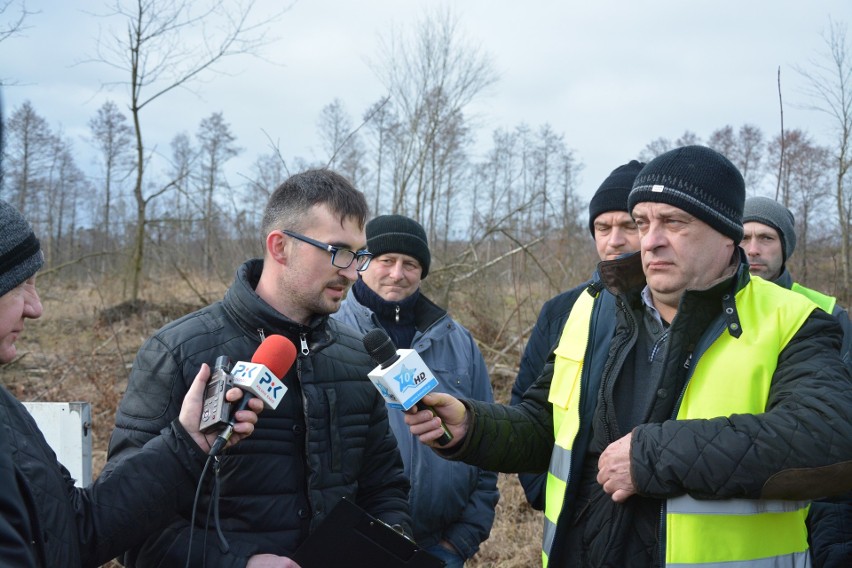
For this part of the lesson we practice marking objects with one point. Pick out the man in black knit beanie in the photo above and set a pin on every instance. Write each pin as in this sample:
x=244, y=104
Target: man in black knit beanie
x=452, y=504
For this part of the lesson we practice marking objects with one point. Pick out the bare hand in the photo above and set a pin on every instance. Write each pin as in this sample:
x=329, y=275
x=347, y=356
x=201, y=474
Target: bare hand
x=270, y=561
x=190, y=412
x=614, y=470
x=423, y=423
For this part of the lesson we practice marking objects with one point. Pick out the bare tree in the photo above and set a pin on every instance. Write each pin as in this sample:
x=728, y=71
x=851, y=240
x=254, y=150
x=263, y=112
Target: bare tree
x=379, y=120
x=829, y=86
x=113, y=138
x=662, y=145
x=217, y=146
x=28, y=153
x=13, y=17
x=341, y=143
x=804, y=185
x=152, y=50
x=744, y=148
x=431, y=76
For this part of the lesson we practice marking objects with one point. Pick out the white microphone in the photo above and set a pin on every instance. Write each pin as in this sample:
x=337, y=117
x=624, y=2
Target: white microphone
x=401, y=376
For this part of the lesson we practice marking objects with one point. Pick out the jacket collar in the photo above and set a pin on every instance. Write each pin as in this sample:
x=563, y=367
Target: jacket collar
x=785, y=279
x=624, y=277
x=255, y=316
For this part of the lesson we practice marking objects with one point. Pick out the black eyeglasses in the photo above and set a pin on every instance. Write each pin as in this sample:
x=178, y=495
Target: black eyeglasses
x=340, y=257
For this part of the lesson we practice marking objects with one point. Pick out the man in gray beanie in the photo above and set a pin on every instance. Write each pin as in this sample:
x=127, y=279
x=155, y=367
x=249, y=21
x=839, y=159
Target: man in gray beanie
x=769, y=240
x=688, y=422
x=452, y=504
x=44, y=519
x=615, y=234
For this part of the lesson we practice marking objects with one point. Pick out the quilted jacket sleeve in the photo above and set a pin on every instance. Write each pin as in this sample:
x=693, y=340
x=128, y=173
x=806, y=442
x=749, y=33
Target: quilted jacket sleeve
x=800, y=448
x=510, y=439
x=15, y=525
x=136, y=496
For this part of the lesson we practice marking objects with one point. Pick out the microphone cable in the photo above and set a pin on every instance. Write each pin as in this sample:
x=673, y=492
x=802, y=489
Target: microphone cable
x=195, y=507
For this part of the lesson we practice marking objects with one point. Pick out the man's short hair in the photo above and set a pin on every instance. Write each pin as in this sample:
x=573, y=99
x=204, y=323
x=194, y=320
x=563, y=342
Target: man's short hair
x=291, y=200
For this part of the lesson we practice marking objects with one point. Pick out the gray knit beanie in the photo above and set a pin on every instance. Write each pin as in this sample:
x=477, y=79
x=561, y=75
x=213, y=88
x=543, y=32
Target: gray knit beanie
x=701, y=181
x=20, y=252
x=770, y=212
x=399, y=234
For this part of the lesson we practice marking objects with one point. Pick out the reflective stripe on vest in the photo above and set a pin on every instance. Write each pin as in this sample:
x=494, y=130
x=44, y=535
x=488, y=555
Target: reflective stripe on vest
x=564, y=395
x=824, y=301
x=732, y=533
x=734, y=376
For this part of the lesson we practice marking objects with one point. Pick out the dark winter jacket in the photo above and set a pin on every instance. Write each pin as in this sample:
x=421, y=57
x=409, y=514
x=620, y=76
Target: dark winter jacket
x=46, y=521
x=830, y=520
x=741, y=456
x=328, y=439
x=543, y=338
x=449, y=500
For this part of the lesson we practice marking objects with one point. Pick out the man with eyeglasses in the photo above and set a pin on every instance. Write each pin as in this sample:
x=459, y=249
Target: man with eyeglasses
x=452, y=503
x=329, y=437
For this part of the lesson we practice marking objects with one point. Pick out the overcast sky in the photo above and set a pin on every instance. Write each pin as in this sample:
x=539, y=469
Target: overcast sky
x=610, y=76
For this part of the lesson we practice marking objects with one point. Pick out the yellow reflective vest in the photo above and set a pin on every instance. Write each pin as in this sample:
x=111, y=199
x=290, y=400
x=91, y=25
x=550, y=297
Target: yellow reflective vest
x=732, y=376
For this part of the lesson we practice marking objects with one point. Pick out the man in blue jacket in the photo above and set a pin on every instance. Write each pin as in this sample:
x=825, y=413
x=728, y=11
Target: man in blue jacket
x=452, y=504
x=615, y=234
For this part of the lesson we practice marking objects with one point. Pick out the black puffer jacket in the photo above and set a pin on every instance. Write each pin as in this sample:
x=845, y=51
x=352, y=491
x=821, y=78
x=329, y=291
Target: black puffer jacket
x=329, y=438
x=46, y=521
x=748, y=456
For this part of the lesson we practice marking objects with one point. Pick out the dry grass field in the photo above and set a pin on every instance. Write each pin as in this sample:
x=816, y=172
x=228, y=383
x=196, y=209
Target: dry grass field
x=82, y=349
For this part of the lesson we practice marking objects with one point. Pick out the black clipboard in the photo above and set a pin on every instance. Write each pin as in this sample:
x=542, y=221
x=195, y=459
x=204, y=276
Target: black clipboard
x=349, y=536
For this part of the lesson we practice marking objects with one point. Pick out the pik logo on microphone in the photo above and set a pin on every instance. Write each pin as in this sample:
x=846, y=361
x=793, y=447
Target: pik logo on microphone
x=260, y=381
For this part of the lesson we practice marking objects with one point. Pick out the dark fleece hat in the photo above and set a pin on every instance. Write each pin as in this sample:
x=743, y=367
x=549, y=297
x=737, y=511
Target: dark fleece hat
x=770, y=212
x=399, y=234
x=20, y=251
x=699, y=180
x=613, y=192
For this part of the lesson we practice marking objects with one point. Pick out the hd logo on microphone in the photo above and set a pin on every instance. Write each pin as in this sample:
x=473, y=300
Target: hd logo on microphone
x=405, y=382
x=260, y=381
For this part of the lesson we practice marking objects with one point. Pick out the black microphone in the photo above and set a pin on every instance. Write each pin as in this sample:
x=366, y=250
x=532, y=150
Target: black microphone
x=401, y=376
x=259, y=379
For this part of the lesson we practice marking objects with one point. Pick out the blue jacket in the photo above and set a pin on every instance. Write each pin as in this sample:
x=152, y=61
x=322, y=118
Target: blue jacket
x=448, y=500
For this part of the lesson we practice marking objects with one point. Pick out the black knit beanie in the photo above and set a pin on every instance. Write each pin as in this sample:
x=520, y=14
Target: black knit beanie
x=770, y=212
x=613, y=192
x=399, y=234
x=701, y=181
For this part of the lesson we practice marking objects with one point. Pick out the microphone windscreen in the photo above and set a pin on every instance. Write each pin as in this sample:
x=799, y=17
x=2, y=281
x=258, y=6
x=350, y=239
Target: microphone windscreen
x=379, y=345
x=276, y=353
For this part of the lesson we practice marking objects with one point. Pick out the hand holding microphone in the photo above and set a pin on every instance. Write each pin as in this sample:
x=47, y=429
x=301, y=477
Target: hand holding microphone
x=261, y=378
x=193, y=405
x=401, y=377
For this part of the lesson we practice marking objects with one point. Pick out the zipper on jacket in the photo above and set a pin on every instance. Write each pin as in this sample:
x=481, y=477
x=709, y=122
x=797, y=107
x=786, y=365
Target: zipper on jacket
x=396, y=313
x=261, y=334
x=611, y=363
x=303, y=343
